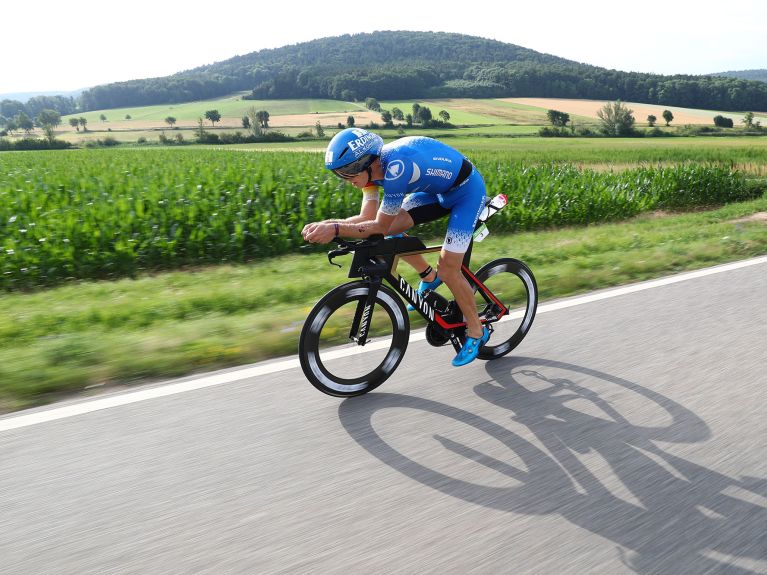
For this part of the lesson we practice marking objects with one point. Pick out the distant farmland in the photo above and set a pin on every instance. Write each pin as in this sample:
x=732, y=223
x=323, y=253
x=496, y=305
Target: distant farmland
x=512, y=116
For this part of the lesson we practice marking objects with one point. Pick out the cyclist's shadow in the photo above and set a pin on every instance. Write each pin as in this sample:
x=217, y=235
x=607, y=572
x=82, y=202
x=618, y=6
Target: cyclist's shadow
x=679, y=518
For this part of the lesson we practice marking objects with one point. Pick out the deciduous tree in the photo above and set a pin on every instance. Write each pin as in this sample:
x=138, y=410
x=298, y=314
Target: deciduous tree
x=557, y=118
x=25, y=123
x=616, y=118
x=255, y=124
x=213, y=116
x=49, y=120
x=263, y=118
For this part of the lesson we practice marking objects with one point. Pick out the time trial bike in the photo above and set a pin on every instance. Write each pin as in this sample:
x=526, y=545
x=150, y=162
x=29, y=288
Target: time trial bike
x=355, y=337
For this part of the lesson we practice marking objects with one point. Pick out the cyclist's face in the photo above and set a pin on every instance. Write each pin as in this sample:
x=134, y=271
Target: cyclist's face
x=365, y=177
x=359, y=180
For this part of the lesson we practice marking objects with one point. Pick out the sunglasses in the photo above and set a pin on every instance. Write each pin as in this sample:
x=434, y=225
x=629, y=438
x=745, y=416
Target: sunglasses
x=350, y=171
x=344, y=176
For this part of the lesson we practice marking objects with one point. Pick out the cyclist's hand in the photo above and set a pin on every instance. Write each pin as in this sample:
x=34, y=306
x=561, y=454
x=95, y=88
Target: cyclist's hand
x=319, y=232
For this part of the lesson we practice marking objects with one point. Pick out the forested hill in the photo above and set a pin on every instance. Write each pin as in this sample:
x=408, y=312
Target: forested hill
x=412, y=65
x=759, y=75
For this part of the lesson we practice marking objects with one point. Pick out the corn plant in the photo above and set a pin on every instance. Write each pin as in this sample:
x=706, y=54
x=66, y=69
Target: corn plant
x=102, y=214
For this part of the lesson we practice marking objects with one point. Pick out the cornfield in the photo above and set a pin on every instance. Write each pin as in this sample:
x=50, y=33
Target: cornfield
x=98, y=214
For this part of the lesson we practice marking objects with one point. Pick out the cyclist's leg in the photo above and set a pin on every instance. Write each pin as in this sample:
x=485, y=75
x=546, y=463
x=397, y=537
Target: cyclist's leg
x=419, y=208
x=465, y=205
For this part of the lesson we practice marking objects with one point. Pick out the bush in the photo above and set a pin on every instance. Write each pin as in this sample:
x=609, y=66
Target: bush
x=274, y=137
x=657, y=133
x=107, y=142
x=33, y=144
x=722, y=122
x=208, y=138
x=236, y=138
x=440, y=124
x=586, y=132
x=551, y=132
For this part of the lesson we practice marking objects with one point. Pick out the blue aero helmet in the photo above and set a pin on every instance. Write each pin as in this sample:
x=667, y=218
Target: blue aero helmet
x=352, y=151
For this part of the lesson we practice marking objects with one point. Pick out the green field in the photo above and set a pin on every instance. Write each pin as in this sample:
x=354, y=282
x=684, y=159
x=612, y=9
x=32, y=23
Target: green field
x=99, y=336
x=230, y=107
x=462, y=111
x=138, y=262
x=748, y=154
x=111, y=213
x=299, y=117
x=477, y=112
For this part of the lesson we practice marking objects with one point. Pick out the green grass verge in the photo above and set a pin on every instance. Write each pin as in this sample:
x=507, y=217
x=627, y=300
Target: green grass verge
x=95, y=335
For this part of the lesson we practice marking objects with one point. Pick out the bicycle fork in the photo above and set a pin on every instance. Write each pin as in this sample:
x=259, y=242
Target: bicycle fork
x=363, y=314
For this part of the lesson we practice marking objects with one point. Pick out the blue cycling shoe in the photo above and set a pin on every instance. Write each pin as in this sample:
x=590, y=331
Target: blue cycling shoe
x=423, y=286
x=470, y=349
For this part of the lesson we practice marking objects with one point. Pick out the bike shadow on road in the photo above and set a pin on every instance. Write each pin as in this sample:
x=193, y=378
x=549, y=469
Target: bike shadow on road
x=680, y=517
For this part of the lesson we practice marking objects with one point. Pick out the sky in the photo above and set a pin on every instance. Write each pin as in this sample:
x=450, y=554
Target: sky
x=50, y=45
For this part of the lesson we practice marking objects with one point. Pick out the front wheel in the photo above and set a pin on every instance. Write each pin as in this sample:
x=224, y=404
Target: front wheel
x=331, y=358
x=513, y=284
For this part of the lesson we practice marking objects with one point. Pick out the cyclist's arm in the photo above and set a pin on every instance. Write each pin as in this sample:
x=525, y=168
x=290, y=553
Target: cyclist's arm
x=364, y=229
x=323, y=232
x=374, y=218
x=368, y=207
x=352, y=227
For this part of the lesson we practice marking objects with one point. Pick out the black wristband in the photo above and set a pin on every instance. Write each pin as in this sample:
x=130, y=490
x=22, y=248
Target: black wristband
x=425, y=272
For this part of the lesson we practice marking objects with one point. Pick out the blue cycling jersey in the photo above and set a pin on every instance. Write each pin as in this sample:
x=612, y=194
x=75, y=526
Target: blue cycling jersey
x=426, y=171
x=416, y=164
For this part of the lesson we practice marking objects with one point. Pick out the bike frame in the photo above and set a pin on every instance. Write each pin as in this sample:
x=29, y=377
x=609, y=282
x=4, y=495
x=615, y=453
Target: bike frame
x=375, y=264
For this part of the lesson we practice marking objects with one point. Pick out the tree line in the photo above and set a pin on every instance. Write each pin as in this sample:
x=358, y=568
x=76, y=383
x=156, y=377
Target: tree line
x=419, y=65
x=617, y=119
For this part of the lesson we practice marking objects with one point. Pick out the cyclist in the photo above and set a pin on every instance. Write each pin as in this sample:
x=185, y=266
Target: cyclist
x=438, y=181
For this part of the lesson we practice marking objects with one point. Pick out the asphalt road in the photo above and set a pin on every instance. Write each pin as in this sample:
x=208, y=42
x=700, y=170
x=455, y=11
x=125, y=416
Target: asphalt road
x=625, y=435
